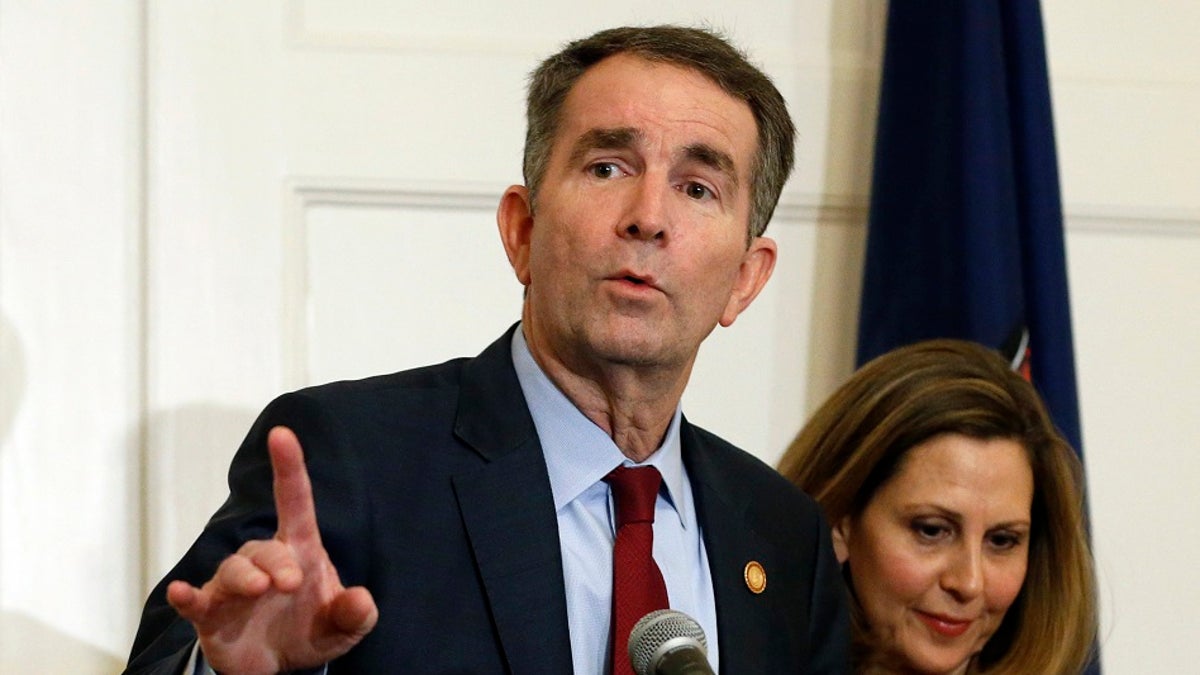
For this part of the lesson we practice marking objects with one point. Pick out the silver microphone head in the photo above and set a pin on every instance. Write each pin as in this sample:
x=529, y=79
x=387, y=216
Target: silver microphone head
x=659, y=632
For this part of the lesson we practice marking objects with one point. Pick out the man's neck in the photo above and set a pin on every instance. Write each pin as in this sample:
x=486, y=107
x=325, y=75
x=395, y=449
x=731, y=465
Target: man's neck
x=634, y=405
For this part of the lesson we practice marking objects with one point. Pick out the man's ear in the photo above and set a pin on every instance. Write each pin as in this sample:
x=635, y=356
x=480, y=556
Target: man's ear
x=514, y=218
x=841, y=539
x=757, y=264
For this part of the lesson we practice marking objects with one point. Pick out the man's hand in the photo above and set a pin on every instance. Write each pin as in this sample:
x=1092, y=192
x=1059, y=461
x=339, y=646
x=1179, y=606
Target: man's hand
x=277, y=604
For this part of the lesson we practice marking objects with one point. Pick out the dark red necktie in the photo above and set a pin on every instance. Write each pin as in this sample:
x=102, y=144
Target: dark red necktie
x=638, y=587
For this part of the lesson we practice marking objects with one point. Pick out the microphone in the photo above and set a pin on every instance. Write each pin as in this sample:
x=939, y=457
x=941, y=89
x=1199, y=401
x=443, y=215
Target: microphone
x=668, y=642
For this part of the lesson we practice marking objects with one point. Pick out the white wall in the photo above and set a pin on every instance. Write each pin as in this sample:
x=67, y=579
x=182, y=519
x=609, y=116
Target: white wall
x=1126, y=86
x=69, y=324
x=143, y=146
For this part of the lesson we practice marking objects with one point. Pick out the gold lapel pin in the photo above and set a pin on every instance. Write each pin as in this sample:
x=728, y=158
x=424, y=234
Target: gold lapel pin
x=756, y=577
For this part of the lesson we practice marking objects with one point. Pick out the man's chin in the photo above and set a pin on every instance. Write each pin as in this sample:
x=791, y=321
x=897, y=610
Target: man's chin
x=636, y=351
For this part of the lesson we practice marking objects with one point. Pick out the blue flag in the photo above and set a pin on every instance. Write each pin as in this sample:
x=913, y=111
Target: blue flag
x=965, y=233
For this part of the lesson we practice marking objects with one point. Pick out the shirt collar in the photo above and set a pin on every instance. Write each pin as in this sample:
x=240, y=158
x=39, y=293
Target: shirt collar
x=578, y=453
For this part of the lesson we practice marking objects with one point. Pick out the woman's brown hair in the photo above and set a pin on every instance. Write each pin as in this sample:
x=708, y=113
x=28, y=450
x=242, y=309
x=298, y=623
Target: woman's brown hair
x=856, y=440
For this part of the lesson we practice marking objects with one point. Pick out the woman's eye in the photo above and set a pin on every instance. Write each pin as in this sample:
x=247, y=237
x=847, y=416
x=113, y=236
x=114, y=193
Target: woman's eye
x=1004, y=541
x=930, y=531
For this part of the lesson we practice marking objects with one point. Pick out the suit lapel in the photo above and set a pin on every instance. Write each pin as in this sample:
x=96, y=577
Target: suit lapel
x=508, y=511
x=744, y=618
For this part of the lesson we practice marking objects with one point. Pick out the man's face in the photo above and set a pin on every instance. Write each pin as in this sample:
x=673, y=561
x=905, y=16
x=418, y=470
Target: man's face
x=637, y=248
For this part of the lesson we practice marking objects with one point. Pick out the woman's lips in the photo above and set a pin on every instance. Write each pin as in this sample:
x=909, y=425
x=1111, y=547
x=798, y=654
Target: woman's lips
x=944, y=625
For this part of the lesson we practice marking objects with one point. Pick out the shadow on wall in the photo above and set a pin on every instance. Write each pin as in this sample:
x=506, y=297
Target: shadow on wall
x=27, y=645
x=23, y=649
x=186, y=463
x=12, y=376
x=183, y=467
x=856, y=45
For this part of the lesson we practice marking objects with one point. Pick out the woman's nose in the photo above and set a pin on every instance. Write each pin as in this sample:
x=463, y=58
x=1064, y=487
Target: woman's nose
x=963, y=576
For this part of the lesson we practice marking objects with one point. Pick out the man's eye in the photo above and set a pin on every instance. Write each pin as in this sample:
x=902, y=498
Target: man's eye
x=604, y=170
x=697, y=191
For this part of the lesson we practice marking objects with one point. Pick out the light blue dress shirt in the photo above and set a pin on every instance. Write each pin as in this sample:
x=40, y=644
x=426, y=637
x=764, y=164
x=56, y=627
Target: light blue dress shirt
x=578, y=456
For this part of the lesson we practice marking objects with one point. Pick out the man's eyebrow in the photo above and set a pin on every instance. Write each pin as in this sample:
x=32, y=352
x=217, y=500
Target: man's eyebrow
x=617, y=138
x=604, y=139
x=712, y=157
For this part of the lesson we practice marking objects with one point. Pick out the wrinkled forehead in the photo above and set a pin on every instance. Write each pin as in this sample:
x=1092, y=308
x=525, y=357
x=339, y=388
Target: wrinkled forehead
x=651, y=100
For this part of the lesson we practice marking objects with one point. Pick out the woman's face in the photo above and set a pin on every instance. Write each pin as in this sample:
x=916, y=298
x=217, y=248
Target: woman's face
x=939, y=553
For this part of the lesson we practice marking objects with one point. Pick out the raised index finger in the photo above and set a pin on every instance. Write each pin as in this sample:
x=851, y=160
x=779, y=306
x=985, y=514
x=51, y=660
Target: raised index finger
x=293, y=490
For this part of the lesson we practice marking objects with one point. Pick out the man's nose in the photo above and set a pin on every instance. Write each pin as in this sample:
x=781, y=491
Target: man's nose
x=646, y=218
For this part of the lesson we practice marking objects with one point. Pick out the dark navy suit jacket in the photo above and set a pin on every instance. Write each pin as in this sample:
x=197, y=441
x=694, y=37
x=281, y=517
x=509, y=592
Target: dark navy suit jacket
x=431, y=491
